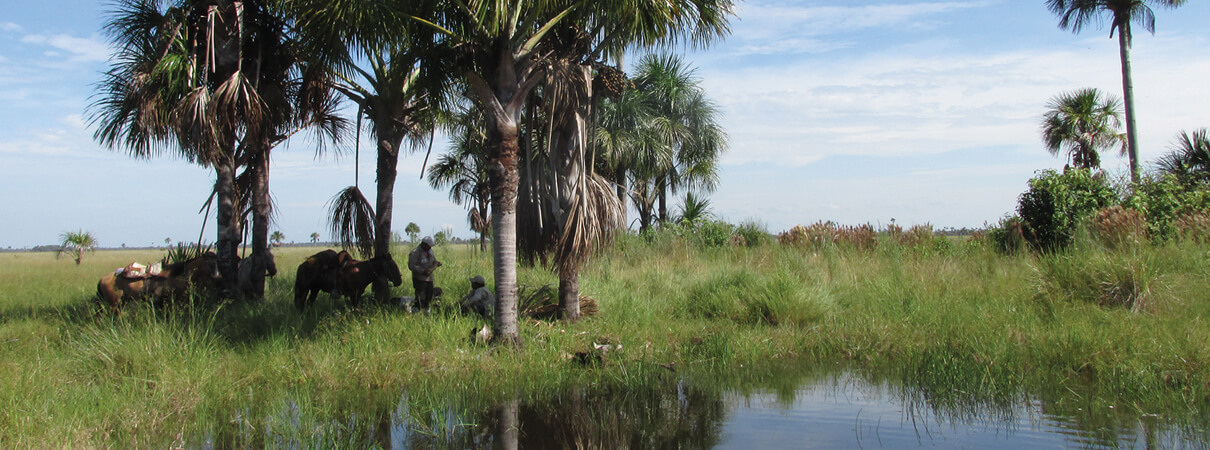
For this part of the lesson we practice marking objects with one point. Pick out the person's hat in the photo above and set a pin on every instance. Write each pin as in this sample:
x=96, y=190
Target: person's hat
x=427, y=240
x=478, y=279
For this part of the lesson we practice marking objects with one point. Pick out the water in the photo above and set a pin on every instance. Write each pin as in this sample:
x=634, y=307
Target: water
x=829, y=409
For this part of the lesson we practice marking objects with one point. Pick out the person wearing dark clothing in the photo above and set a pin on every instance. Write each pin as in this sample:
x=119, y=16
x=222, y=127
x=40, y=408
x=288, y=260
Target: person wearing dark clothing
x=422, y=262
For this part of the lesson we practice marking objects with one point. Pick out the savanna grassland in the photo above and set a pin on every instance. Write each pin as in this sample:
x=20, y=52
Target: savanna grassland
x=1124, y=327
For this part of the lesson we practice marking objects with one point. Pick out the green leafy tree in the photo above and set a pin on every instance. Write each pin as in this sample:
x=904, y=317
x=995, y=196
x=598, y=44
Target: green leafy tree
x=76, y=243
x=314, y=238
x=1081, y=124
x=1075, y=15
x=1056, y=203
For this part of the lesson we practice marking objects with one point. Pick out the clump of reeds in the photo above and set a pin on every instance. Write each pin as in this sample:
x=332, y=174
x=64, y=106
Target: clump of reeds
x=860, y=237
x=1193, y=226
x=817, y=236
x=1106, y=279
x=1116, y=226
x=915, y=236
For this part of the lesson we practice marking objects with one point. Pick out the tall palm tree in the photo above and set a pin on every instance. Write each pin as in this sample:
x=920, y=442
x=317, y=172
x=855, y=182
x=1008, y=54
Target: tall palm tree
x=387, y=65
x=1077, y=14
x=76, y=243
x=1189, y=159
x=1081, y=123
x=496, y=46
x=573, y=209
x=463, y=170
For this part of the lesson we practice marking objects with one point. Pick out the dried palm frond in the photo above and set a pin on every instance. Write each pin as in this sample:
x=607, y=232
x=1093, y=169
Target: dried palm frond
x=352, y=220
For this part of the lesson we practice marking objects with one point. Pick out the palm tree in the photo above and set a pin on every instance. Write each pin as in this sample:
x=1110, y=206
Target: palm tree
x=413, y=231
x=572, y=211
x=1189, y=159
x=662, y=136
x=207, y=80
x=314, y=238
x=76, y=243
x=277, y=238
x=386, y=64
x=463, y=170
x=1081, y=124
x=1077, y=14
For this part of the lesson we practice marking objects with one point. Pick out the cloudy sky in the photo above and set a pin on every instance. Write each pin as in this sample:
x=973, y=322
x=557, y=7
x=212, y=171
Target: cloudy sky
x=851, y=111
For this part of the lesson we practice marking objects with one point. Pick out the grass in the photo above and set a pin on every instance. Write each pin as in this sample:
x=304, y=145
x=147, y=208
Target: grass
x=962, y=323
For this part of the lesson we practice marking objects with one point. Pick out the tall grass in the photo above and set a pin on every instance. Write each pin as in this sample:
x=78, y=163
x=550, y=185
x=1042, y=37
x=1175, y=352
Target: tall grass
x=956, y=318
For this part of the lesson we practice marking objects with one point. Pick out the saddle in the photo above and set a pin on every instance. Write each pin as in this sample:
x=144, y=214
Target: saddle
x=136, y=271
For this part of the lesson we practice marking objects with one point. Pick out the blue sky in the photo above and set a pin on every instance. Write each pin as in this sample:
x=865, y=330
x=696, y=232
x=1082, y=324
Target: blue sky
x=854, y=111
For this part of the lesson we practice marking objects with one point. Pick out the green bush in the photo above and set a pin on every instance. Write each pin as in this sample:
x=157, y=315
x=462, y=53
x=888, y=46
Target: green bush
x=1163, y=200
x=752, y=233
x=1008, y=237
x=1056, y=202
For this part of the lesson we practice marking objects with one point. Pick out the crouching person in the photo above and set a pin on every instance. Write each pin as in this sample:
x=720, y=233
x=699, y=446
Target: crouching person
x=480, y=301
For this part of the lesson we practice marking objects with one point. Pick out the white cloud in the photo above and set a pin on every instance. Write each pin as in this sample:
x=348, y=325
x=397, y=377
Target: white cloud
x=10, y=27
x=81, y=49
x=901, y=102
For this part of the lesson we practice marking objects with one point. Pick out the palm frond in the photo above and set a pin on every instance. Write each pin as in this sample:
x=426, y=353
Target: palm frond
x=351, y=220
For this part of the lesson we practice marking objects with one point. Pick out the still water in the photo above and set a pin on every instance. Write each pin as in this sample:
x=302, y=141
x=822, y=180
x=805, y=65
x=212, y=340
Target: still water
x=837, y=409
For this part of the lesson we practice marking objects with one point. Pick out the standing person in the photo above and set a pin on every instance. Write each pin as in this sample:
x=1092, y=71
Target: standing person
x=421, y=262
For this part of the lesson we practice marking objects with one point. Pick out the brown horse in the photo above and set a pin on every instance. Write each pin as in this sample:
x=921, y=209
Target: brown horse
x=318, y=272
x=356, y=275
x=176, y=280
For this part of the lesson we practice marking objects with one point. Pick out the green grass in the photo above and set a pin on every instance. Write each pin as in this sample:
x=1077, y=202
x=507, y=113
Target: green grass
x=957, y=321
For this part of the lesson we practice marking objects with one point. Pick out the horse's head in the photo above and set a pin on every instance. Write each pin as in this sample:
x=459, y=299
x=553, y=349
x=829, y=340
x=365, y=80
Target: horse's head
x=385, y=266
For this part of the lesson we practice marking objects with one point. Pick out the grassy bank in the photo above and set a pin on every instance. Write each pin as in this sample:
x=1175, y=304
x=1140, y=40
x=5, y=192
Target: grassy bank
x=1126, y=327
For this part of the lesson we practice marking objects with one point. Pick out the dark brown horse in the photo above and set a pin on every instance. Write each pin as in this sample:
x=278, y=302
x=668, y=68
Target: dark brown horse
x=318, y=272
x=356, y=275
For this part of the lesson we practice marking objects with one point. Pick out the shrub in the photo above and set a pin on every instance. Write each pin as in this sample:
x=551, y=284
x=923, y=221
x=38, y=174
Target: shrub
x=1009, y=236
x=1163, y=200
x=706, y=233
x=1116, y=226
x=1056, y=202
x=751, y=233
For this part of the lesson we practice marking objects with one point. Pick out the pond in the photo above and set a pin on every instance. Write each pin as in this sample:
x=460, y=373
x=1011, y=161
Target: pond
x=830, y=409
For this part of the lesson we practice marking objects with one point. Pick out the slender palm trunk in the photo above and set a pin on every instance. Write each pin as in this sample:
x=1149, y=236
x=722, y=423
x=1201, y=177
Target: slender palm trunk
x=621, y=182
x=389, y=141
x=662, y=191
x=569, y=295
x=1132, y=142
x=228, y=228
x=261, y=210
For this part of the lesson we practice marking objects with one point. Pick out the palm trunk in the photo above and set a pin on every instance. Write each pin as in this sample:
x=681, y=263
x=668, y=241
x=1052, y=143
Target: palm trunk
x=1132, y=142
x=569, y=296
x=261, y=210
x=504, y=240
x=621, y=181
x=389, y=141
x=508, y=427
x=227, y=223
x=662, y=190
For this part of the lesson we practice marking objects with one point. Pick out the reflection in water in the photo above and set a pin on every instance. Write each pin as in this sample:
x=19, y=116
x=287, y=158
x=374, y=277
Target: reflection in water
x=799, y=409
